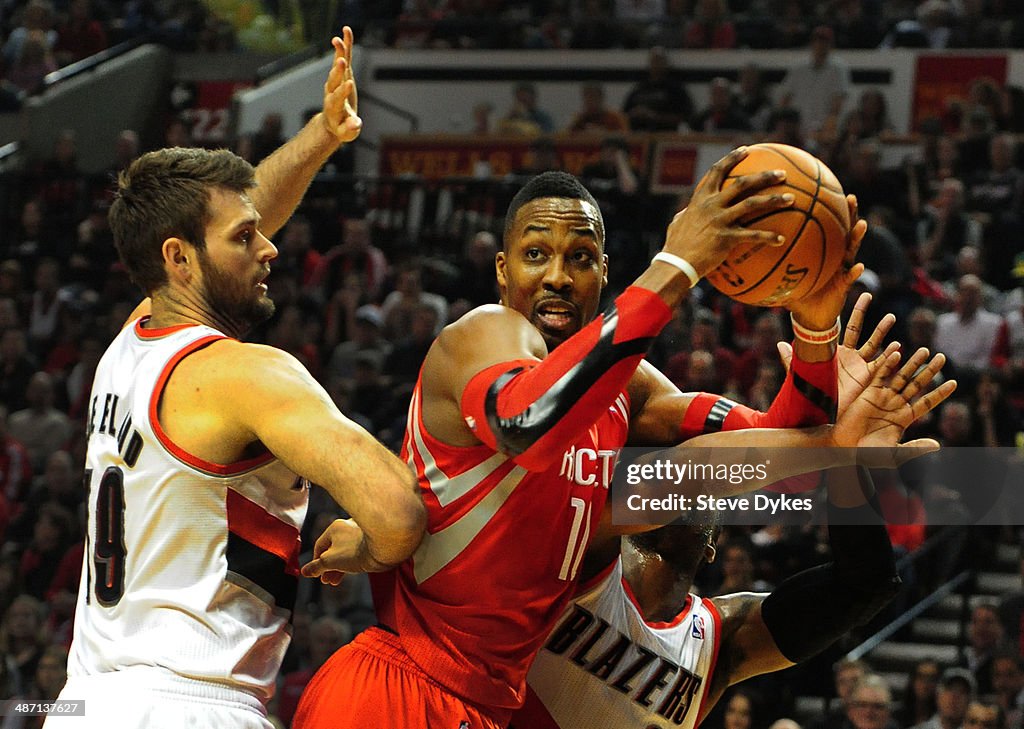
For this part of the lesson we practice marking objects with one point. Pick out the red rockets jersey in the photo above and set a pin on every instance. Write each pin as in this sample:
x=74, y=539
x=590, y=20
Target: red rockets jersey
x=603, y=664
x=500, y=557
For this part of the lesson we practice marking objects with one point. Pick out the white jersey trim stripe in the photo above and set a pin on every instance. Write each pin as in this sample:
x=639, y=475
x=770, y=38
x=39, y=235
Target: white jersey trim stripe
x=180, y=454
x=438, y=549
x=447, y=489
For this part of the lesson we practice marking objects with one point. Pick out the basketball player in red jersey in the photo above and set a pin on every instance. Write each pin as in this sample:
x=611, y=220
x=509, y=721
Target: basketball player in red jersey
x=637, y=648
x=514, y=429
x=201, y=447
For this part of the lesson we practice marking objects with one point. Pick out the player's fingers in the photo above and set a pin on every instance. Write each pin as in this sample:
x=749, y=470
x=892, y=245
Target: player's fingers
x=924, y=377
x=902, y=379
x=886, y=366
x=851, y=205
x=857, y=233
x=313, y=568
x=915, y=448
x=870, y=348
x=852, y=334
x=852, y=274
x=336, y=75
x=332, y=577
x=931, y=400
x=750, y=236
x=785, y=354
x=745, y=188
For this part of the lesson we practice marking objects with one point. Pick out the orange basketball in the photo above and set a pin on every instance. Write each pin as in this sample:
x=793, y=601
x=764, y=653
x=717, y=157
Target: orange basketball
x=815, y=228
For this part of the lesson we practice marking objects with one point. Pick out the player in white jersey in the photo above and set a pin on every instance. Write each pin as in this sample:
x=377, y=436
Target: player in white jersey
x=637, y=648
x=200, y=446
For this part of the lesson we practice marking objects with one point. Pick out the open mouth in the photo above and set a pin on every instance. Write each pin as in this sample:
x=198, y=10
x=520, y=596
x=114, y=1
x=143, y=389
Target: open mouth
x=557, y=315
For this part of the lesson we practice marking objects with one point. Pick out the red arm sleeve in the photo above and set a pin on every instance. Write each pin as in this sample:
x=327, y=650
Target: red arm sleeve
x=535, y=410
x=808, y=397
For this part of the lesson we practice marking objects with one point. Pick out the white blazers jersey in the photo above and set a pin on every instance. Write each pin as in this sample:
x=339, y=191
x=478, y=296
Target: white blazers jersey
x=191, y=567
x=604, y=666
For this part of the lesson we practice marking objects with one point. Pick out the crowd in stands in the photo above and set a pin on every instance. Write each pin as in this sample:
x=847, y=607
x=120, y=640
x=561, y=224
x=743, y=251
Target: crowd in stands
x=359, y=300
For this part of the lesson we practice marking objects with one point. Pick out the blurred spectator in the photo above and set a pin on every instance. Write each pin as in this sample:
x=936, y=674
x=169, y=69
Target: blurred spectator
x=594, y=27
x=784, y=127
x=45, y=306
x=401, y=305
x=29, y=68
x=80, y=35
x=968, y=261
x=355, y=254
x=59, y=483
x=985, y=638
x=931, y=28
x=177, y=133
x=658, y=103
x=126, y=149
x=23, y=636
x=870, y=704
x=52, y=534
x=59, y=184
x=366, y=341
x=594, y=115
x=997, y=419
x=956, y=688
x=296, y=253
x=918, y=704
x=869, y=118
x=737, y=558
x=1008, y=684
x=865, y=177
x=36, y=23
x=525, y=116
x=268, y=137
x=855, y=26
x=541, y=156
x=415, y=26
x=967, y=335
x=635, y=18
x=41, y=427
x=711, y=27
x=767, y=332
x=46, y=682
x=790, y=26
x=723, y=112
x=15, y=466
x=975, y=27
x=476, y=280
x=817, y=90
x=482, y=122
x=998, y=188
x=753, y=98
x=945, y=228
x=403, y=364
x=16, y=369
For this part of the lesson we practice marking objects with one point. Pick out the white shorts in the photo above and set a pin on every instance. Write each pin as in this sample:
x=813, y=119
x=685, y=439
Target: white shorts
x=148, y=698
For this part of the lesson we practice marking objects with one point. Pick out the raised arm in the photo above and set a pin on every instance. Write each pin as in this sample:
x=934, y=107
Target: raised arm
x=812, y=609
x=282, y=178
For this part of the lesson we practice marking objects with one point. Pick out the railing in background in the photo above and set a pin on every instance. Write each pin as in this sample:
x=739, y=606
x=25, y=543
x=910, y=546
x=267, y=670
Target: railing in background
x=88, y=64
x=285, y=63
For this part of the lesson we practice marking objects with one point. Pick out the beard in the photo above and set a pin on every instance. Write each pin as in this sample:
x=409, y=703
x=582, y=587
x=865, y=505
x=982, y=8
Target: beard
x=236, y=301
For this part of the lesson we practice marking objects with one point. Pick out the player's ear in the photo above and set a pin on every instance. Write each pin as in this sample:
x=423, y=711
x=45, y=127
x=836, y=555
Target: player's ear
x=176, y=254
x=499, y=270
x=604, y=269
x=710, y=552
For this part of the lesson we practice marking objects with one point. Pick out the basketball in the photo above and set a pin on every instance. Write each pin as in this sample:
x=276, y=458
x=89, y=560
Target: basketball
x=815, y=228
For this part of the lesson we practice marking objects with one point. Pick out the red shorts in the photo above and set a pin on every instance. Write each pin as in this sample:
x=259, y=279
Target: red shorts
x=372, y=684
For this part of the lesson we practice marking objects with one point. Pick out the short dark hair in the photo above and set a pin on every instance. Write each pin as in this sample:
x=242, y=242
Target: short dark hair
x=553, y=183
x=166, y=194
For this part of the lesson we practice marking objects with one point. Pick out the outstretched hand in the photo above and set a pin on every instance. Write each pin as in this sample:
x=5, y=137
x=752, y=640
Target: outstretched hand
x=341, y=101
x=878, y=417
x=857, y=363
x=819, y=310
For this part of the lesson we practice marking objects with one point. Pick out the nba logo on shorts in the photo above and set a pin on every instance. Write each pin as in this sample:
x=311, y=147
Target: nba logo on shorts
x=463, y=725
x=698, y=627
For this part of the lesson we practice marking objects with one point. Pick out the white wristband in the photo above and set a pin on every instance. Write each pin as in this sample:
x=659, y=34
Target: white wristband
x=681, y=263
x=812, y=336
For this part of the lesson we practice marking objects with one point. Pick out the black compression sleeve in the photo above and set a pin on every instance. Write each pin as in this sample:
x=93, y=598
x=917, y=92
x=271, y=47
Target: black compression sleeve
x=814, y=608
